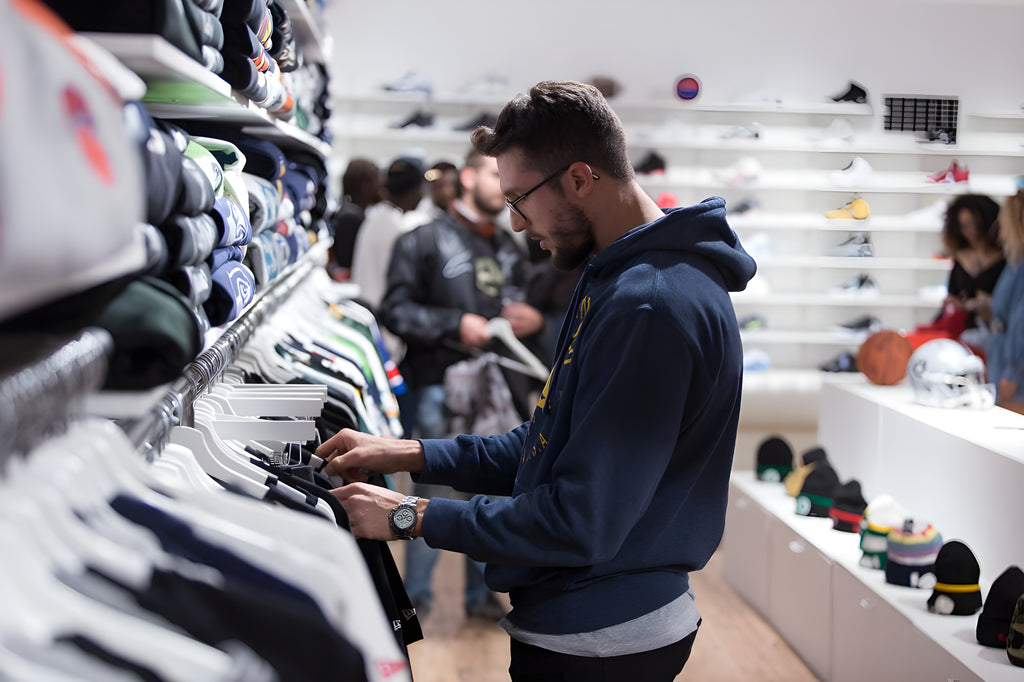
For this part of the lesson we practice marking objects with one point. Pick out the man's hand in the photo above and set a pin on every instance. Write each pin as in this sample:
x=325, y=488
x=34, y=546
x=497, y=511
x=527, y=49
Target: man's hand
x=368, y=506
x=524, y=318
x=352, y=453
x=473, y=330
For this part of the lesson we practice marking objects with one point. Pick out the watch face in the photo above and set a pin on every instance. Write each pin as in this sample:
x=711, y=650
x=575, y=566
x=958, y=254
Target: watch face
x=405, y=517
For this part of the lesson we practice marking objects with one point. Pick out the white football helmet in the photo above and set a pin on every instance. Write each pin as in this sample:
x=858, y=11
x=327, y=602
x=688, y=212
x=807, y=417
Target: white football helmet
x=945, y=373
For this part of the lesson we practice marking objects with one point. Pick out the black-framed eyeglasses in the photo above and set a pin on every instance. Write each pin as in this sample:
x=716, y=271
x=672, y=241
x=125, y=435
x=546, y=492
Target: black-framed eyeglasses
x=512, y=204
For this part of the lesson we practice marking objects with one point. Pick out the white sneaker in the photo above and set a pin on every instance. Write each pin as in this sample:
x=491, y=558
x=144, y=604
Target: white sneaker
x=858, y=245
x=756, y=360
x=751, y=131
x=759, y=246
x=744, y=171
x=487, y=85
x=932, y=214
x=839, y=133
x=856, y=174
x=411, y=81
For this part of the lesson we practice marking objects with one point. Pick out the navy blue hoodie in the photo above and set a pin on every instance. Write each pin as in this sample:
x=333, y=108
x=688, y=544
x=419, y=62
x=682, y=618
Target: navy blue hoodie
x=617, y=486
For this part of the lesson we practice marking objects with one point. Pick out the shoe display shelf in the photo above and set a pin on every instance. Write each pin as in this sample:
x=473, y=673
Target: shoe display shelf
x=178, y=87
x=962, y=470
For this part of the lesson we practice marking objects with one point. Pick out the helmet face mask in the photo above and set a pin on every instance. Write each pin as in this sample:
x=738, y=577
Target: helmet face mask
x=944, y=373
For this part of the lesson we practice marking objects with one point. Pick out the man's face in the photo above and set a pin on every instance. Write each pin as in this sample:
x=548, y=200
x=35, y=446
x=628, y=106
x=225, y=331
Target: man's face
x=442, y=190
x=547, y=214
x=487, y=188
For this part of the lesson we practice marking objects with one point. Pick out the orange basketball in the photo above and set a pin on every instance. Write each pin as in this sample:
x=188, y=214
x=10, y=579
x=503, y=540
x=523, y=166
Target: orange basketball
x=883, y=357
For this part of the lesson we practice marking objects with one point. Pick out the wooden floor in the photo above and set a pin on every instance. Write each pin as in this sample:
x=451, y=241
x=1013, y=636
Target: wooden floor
x=734, y=642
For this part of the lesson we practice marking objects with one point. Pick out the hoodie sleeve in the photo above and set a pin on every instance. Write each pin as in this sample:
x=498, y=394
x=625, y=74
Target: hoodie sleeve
x=633, y=383
x=474, y=464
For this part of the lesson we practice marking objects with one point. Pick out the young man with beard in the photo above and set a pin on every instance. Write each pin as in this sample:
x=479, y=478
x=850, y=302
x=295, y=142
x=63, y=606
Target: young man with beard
x=446, y=279
x=617, y=486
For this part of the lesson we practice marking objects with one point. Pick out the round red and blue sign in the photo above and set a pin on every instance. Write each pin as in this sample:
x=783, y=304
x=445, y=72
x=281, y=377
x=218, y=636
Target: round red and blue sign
x=687, y=87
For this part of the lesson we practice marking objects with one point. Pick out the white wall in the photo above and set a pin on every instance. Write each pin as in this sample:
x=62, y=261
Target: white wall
x=801, y=50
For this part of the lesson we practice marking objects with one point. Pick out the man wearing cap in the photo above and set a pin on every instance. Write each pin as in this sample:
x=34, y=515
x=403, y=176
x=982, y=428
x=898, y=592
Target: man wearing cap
x=617, y=486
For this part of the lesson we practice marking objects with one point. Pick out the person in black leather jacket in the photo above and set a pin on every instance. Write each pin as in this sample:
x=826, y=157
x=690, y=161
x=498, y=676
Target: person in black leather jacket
x=446, y=279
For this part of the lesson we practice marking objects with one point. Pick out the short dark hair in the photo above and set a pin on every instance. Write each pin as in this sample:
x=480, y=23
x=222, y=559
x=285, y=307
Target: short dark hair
x=985, y=211
x=361, y=182
x=557, y=123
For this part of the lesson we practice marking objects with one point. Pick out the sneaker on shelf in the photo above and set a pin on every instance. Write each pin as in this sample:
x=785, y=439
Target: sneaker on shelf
x=932, y=214
x=756, y=360
x=419, y=118
x=411, y=82
x=487, y=85
x=861, y=285
x=844, y=362
x=857, y=209
x=744, y=171
x=935, y=292
x=854, y=93
x=750, y=131
x=865, y=324
x=752, y=321
x=837, y=134
x=937, y=136
x=857, y=246
x=748, y=205
x=652, y=163
x=484, y=118
x=858, y=172
x=955, y=173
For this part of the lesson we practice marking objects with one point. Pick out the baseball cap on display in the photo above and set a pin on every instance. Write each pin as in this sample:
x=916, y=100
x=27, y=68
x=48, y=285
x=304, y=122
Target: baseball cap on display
x=911, y=552
x=956, y=591
x=994, y=619
x=795, y=480
x=815, y=496
x=75, y=192
x=848, y=506
x=156, y=333
x=233, y=288
x=774, y=459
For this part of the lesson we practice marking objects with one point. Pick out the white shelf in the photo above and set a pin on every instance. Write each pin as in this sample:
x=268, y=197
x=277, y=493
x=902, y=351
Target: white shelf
x=855, y=263
x=829, y=301
x=819, y=181
x=955, y=634
x=179, y=87
x=787, y=337
x=816, y=221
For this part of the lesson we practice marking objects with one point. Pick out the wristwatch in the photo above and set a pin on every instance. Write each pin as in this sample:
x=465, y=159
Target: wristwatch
x=402, y=518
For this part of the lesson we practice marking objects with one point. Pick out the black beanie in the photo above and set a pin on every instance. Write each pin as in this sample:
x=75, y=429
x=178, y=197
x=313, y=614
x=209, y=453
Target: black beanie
x=956, y=591
x=848, y=505
x=815, y=497
x=774, y=459
x=815, y=454
x=994, y=619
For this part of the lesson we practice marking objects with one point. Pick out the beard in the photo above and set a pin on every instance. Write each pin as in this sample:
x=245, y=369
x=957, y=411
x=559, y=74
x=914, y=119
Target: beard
x=572, y=239
x=488, y=205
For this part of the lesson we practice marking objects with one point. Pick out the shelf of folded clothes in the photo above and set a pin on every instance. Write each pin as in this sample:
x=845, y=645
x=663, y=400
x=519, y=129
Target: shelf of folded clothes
x=179, y=87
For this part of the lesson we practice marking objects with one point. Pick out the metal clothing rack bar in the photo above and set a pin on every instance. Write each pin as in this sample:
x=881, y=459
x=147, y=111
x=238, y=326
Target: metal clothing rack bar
x=44, y=382
x=150, y=432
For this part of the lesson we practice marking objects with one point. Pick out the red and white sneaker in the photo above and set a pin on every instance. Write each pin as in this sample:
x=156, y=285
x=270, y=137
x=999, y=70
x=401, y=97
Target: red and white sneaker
x=955, y=173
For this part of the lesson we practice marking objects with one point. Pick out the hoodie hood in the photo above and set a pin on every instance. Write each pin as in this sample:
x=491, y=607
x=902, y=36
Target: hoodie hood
x=701, y=230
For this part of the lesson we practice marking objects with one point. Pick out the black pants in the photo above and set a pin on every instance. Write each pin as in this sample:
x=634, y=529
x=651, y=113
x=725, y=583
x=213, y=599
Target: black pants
x=533, y=664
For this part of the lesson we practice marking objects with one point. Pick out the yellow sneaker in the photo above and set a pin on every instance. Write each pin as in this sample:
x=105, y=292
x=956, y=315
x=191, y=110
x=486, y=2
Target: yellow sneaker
x=855, y=210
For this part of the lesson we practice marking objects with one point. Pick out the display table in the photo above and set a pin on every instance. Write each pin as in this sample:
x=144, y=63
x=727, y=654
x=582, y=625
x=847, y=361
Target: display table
x=959, y=469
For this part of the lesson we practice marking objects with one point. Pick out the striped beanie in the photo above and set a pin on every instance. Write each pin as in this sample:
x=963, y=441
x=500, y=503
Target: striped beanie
x=912, y=550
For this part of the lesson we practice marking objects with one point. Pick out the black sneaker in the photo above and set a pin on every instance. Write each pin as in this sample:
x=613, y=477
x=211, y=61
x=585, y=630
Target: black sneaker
x=419, y=118
x=484, y=119
x=844, y=362
x=855, y=93
x=652, y=163
x=864, y=324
